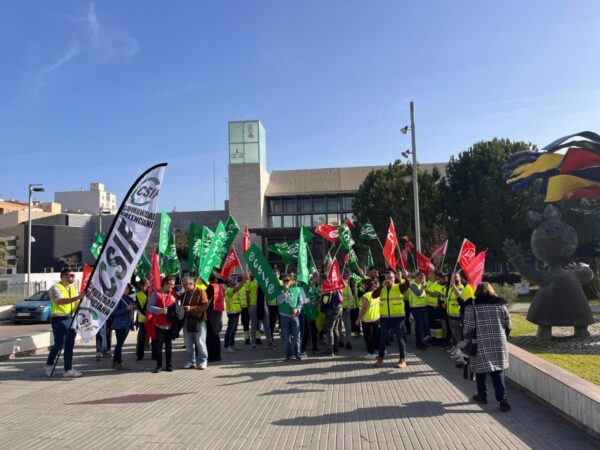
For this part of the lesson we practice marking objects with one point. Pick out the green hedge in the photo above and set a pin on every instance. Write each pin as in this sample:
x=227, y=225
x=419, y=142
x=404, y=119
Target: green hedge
x=502, y=278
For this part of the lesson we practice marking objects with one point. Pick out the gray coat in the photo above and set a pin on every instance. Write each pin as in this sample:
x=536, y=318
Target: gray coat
x=490, y=323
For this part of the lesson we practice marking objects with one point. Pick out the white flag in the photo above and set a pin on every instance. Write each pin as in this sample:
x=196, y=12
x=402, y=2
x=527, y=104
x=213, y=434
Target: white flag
x=124, y=246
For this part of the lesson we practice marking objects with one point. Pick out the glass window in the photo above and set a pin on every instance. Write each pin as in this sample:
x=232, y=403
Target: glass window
x=274, y=206
x=305, y=219
x=275, y=221
x=333, y=219
x=251, y=153
x=319, y=219
x=289, y=205
x=236, y=132
x=319, y=204
x=289, y=221
x=333, y=204
x=348, y=202
x=304, y=205
x=349, y=216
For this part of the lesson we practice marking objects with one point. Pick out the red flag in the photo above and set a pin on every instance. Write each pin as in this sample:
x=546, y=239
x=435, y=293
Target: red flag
x=246, y=240
x=231, y=261
x=441, y=250
x=466, y=254
x=424, y=264
x=334, y=281
x=409, y=247
x=578, y=158
x=154, y=287
x=474, y=271
x=349, y=223
x=404, y=259
x=329, y=232
x=87, y=271
x=389, y=250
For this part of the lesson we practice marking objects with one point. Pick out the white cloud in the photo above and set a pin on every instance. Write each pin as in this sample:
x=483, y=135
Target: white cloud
x=96, y=40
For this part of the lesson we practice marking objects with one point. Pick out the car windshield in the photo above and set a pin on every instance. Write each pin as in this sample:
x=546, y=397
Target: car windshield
x=38, y=296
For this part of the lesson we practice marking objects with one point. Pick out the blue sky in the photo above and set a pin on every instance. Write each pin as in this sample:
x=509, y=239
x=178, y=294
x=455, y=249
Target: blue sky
x=98, y=91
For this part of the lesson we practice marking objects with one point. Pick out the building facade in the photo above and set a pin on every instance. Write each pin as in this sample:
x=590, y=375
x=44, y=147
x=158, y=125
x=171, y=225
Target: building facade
x=92, y=201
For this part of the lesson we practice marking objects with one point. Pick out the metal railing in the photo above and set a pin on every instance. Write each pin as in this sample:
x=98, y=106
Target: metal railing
x=11, y=293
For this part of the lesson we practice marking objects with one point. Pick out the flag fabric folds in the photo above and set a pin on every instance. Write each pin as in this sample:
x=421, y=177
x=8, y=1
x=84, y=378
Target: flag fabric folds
x=441, y=250
x=246, y=240
x=124, y=245
x=367, y=232
x=334, y=281
x=217, y=242
x=154, y=287
x=391, y=242
x=302, y=268
x=231, y=262
x=194, y=242
x=97, y=245
x=424, y=264
x=474, y=271
x=466, y=254
x=231, y=231
x=262, y=271
x=345, y=236
x=163, y=237
x=143, y=266
x=328, y=232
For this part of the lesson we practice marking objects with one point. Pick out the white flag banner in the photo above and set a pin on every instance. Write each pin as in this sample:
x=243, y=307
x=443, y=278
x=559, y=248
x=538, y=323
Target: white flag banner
x=124, y=246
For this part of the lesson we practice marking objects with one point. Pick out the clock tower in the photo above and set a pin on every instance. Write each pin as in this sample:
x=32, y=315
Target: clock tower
x=248, y=176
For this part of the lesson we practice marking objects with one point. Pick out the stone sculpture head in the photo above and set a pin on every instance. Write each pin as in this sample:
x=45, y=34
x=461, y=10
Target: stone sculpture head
x=552, y=240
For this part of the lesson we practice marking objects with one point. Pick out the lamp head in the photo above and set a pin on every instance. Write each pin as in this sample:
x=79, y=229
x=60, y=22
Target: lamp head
x=405, y=153
x=404, y=130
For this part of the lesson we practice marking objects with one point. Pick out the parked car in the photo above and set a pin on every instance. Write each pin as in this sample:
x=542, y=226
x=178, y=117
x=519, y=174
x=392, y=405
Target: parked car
x=33, y=309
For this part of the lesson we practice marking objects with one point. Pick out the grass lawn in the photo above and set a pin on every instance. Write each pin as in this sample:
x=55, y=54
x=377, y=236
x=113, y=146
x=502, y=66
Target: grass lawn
x=585, y=366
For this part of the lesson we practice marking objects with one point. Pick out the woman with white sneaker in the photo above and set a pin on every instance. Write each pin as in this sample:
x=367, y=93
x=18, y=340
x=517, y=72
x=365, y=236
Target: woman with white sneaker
x=195, y=303
x=369, y=318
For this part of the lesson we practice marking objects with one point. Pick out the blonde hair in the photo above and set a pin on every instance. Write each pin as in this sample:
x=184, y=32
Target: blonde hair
x=485, y=288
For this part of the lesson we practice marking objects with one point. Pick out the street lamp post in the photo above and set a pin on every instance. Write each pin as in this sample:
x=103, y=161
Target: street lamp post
x=414, y=174
x=101, y=212
x=32, y=188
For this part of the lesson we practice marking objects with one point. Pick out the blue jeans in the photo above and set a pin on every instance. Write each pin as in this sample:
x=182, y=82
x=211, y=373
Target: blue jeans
x=421, y=326
x=232, y=324
x=199, y=340
x=121, y=336
x=63, y=336
x=290, y=327
x=103, y=339
x=497, y=380
x=394, y=326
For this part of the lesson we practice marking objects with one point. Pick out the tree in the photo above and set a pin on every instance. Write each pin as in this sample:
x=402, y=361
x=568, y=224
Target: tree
x=481, y=206
x=388, y=193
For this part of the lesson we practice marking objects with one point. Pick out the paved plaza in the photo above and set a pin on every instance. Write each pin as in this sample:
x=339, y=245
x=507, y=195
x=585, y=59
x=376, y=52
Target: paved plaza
x=252, y=399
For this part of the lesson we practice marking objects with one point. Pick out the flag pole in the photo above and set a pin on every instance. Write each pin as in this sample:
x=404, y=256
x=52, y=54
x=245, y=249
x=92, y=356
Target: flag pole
x=311, y=256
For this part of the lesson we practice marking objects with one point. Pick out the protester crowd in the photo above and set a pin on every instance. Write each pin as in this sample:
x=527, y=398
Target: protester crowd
x=471, y=325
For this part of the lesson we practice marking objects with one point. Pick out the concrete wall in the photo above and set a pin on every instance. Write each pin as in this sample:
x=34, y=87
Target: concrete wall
x=247, y=186
x=575, y=398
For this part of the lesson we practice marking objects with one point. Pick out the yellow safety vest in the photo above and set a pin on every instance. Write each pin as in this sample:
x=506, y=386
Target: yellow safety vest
x=252, y=288
x=142, y=299
x=432, y=286
x=415, y=300
x=468, y=292
x=391, y=302
x=345, y=296
x=372, y=314
x=233, y=300
x=453, y=307
x=66, y=309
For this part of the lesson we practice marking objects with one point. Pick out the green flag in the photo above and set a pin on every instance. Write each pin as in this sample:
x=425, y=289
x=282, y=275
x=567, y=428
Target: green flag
x=345, y=236
x=370, y=262
x=356, y=277
x=287, y=250
x=194, y=236
x=163, y=237
x=97, y=245
x=353, y=261
x=367, y=232
x=260, y=268
x=217, y=242
x=308, y=235
x=171, y=261
x=143, y=266
x=302, y=272
x=201, y=250
x=231, y=229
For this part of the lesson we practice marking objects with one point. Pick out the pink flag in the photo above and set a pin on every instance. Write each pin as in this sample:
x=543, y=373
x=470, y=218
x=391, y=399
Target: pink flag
x=441, y=250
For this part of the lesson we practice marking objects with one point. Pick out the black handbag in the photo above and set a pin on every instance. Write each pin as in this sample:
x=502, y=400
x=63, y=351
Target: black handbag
x=193, y=324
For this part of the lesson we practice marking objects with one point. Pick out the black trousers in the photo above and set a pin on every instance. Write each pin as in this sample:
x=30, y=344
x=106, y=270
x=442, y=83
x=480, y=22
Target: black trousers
x=371, y=336
x=273, y=317
x=246, y=322
x=141, y=341
x=407, y=318
x=163, y=337
x=213, y=342
x=353, y=316
x=310, y=328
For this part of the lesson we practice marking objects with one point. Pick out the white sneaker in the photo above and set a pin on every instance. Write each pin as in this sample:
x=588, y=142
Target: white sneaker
x=72, y=374
x=189, y=366
x=369, y=357
x=229, y=350
x=451, y=349
x=460, y=360
x=202, y=366
x=460, y=354
x=48, y=370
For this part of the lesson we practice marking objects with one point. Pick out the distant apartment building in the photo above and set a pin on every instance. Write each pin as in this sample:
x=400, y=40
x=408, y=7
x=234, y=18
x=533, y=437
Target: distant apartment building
x=91, y=201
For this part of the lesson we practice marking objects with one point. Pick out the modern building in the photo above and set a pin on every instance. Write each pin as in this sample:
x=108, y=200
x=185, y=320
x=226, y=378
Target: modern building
x=92, y=201
x=276, y=204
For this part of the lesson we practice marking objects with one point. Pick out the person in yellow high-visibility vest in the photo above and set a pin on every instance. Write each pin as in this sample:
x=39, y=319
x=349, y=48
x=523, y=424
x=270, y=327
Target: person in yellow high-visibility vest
x=418, y=307
x=348, y=300
x=143, y=340
x=368, y=316
x=453, y=310
x=235, y=295
x=63, y=303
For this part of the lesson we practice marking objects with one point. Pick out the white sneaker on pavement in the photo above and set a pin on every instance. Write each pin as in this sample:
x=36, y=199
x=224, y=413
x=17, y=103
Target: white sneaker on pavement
x=202, y=366
x=189, y=366
x=72, y=373
x=369, y=357
x=229, y=350
x=48, y=370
